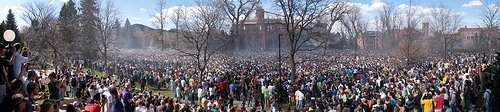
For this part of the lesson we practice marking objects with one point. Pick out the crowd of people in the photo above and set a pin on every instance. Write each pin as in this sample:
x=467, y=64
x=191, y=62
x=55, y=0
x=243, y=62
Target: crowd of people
x=239, y=82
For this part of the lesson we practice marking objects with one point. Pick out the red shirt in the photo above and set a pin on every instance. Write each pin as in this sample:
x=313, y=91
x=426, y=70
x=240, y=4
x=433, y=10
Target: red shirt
x=93, y=108
x=439, y=102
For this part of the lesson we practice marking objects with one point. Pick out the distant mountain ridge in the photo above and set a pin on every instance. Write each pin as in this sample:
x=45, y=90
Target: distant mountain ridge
x=149, y=37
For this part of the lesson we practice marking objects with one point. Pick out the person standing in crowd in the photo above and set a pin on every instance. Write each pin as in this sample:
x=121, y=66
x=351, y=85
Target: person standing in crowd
x=4, y=80
x=438, y=102
x=299, y=98
x=487, y=99
x=31, y=78
x=19, y=103
x=127, y=98
x=93, y=105
x=47, y=106
x=265, y=92
x=15, y=88
x=117, y=105
x=20, y=57
x=427, y=103
x=54, y=85
x=73, y=85
x=109, y=99
x=32, y=92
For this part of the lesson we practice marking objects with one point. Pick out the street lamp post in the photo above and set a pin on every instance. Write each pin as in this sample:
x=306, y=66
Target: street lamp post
x=9, y=36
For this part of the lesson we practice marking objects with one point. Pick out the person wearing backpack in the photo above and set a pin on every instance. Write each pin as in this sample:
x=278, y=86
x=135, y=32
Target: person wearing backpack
x=74, y=86
x=487, y=96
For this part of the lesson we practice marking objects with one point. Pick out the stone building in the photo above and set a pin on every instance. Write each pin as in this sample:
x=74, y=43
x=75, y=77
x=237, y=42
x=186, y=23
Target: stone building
x=261, y=33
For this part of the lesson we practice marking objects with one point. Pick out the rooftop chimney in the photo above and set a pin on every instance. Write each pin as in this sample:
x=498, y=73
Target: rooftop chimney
x=425, y=29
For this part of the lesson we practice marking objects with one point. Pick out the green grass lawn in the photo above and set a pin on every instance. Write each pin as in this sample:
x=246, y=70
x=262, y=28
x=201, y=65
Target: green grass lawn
x=98, y=73
x=163, y=91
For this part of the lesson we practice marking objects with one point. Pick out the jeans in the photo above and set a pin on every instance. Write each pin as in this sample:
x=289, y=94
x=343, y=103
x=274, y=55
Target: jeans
x=488, y=108
x=61, y=93
x=266, y=101
x=299, y=104
x=468, y=105
x=453, y=107
x=73, y=92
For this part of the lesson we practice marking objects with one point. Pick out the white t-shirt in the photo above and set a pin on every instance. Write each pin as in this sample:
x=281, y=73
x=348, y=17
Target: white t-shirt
x=140, y=109
x=183, y=83
x=271, y=88
x=486, y=96
x=211, y=91
x=200, y=92
x=299, y=95
x=150, y=110
x=25, y=85
x=109, y=97
x=18, y=63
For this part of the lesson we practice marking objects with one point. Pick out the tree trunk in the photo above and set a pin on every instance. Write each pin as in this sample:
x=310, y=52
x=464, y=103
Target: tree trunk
x=199, y=68
x=105, y=61
x=293, y=66
x=55, y=60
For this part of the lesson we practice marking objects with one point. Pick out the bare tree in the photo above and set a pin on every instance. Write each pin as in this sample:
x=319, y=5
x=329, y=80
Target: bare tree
x=298, y=20
x=410, y=47
x=490, y=18
x=238, y=11
x=444, y=23
x=202, y=34
x=107, y=29
x=354, y=26
x=335, y=12
x=176, y=19
x=161, y=20
x=43, y=28
x=388, y=17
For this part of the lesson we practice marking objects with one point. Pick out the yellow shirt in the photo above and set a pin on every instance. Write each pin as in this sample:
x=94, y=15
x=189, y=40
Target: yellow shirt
x=191, y=81
x=444, y=80
x=427, y=105
x=483, y=67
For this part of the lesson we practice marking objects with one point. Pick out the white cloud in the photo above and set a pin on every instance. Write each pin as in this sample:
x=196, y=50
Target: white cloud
x=188, y=11
x=135, y=18
x=377, y=5
x=419, y=10
x=492, y=6
x=52, y=2
x=142, y=9
x=64, y=1
x=473, y=3
x=372, y=8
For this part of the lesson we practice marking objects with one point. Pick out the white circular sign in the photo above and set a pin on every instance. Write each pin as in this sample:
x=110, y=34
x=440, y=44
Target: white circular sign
x=9, y=35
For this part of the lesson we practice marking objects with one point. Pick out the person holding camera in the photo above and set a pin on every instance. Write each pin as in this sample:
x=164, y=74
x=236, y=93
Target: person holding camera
x=4, y=76
x=20, y=57
x=427, y=102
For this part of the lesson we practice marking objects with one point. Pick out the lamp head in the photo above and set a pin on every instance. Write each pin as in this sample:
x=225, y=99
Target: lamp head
x=9, y=35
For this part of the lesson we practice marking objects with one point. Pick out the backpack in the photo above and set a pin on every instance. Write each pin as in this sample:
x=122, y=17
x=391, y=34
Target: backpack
x=490, y=99
x=118, y=106
x=73, y=82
